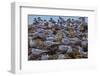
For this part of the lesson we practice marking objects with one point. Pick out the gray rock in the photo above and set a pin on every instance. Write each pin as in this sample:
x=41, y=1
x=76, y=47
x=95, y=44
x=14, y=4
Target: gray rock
x=50, y=39
x=65, y=41
x=69, y=49
x=44, y=57
x=61, y=56
x=31, y=42
x=63, y=47
x=48, y=43
x=37, y=51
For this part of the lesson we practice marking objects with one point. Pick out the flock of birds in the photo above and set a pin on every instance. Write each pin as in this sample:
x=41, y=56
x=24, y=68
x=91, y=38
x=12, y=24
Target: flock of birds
x=61, y=39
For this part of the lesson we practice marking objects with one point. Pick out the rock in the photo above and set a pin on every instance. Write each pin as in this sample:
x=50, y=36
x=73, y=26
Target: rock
x=63, y=47
x=58, y=36
x=69, y=49
x=80, y=49
x=48, y=43
x=39, y=41
x=84, y=43
x=61, y=56
x=51, y=57
x=65, y=41
x=67, y=56
x=50, y=39
x=74, y=40
x=32, y=43
x=37, y=51
x=44, y=57
x=40, y=34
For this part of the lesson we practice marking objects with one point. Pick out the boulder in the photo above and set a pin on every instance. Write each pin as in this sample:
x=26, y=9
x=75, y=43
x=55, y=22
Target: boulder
x=37, y=51
x=44, y=57
x=61, y=56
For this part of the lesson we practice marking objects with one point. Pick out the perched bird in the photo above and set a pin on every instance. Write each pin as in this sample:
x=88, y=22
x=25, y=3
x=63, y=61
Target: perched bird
x=51, y=20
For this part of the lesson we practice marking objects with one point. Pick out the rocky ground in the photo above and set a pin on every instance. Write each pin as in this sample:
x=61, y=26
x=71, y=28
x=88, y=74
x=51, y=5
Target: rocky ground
x=62, y=39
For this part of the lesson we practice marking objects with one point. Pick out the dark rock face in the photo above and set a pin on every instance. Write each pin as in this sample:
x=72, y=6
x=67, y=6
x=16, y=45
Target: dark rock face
x=58, y=39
